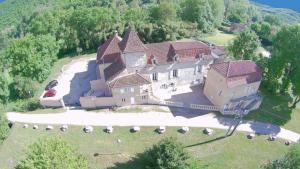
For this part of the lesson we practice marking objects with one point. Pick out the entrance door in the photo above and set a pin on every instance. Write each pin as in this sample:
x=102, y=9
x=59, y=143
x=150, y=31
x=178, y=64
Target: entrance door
x=132, y=100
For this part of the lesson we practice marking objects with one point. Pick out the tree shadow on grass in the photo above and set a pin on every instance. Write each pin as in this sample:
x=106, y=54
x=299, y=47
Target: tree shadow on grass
x=135, y=163
x=274, y=109
x=206, y=142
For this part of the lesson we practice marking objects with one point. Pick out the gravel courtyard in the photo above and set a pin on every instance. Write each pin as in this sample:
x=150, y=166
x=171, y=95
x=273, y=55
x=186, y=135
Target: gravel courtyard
x=74, y=80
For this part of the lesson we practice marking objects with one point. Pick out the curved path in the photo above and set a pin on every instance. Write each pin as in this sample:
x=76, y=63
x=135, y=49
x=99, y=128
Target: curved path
x=81, y=117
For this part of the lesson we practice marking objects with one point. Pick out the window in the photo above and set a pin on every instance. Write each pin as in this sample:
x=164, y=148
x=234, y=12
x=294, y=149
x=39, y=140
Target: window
x=154, y=76
x=199, y=68
x=132, y=89
x=123, y=100
x=126, y=90
x=175, y=73
x=175, y=58
x=154, y=61
x=122, y=91
x=143, y=97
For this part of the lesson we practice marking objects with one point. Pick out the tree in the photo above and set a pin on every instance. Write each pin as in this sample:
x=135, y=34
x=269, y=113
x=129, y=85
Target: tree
x=32, y=56
x=218, y=10
x=272, y=20
x=237, y=10
x=4, y=87
x=245, y=45
x=4, y=128
x=264, y=31
x=283, y=70
x=200, y=12
x=22, y=88
x=167, y=154
x=291, y=160
x=53, y=153
x=165, y=11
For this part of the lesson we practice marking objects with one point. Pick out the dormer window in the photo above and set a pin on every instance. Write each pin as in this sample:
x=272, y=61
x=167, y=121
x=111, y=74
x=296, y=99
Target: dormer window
x=154, y=61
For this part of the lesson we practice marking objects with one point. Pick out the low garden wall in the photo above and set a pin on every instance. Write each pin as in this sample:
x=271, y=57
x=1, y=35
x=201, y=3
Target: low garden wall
x=94, y=102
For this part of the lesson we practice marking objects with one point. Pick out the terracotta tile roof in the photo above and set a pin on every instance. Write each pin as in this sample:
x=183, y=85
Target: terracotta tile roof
x=239, y=72
x=114, y=69
x=187, y=51
x=109, y=50
x=135, y=79
x=131, y=42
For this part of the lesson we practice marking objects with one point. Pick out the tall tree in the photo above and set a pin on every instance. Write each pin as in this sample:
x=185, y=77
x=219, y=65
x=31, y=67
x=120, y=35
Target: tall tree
x=283, y=71
x=200, y=12
x=245, y=45
x=32, y=56
x=53, y=153
x=167, y=154
x=165, y=11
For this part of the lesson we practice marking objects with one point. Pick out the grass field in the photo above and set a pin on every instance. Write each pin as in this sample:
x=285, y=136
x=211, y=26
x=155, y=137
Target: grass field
x=220, y=38
x=277, y=110
x=233, y=152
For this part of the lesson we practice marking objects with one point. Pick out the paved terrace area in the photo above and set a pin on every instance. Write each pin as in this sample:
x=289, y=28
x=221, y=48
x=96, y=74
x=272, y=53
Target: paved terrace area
x=82, y=117
x=185, y=94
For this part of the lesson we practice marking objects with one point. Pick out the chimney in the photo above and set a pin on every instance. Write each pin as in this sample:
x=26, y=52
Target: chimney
x=116, y=33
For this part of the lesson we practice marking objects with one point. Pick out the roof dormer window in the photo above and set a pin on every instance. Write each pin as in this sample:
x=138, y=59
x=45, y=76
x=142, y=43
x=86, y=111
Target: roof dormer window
x=154, y=61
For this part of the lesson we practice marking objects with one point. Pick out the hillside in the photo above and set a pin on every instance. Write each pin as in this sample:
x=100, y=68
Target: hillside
x=287, y=15
x=12, y=11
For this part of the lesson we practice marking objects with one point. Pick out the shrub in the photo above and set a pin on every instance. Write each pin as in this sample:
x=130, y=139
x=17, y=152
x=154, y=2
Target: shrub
x=291, y=160
x=167, y=154
x=4, y=128
x=53, y=153
x=25, y=105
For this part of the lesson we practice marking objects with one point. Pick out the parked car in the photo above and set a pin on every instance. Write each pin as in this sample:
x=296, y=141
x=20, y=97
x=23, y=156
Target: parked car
x=50, y=93
x=51, y=84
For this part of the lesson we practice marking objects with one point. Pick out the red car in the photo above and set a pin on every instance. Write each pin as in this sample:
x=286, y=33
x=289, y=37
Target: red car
x=50, y=93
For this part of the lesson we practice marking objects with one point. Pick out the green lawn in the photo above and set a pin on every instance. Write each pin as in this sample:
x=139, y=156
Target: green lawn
x=233, y=152
x=220, y=38
x=276, y=110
